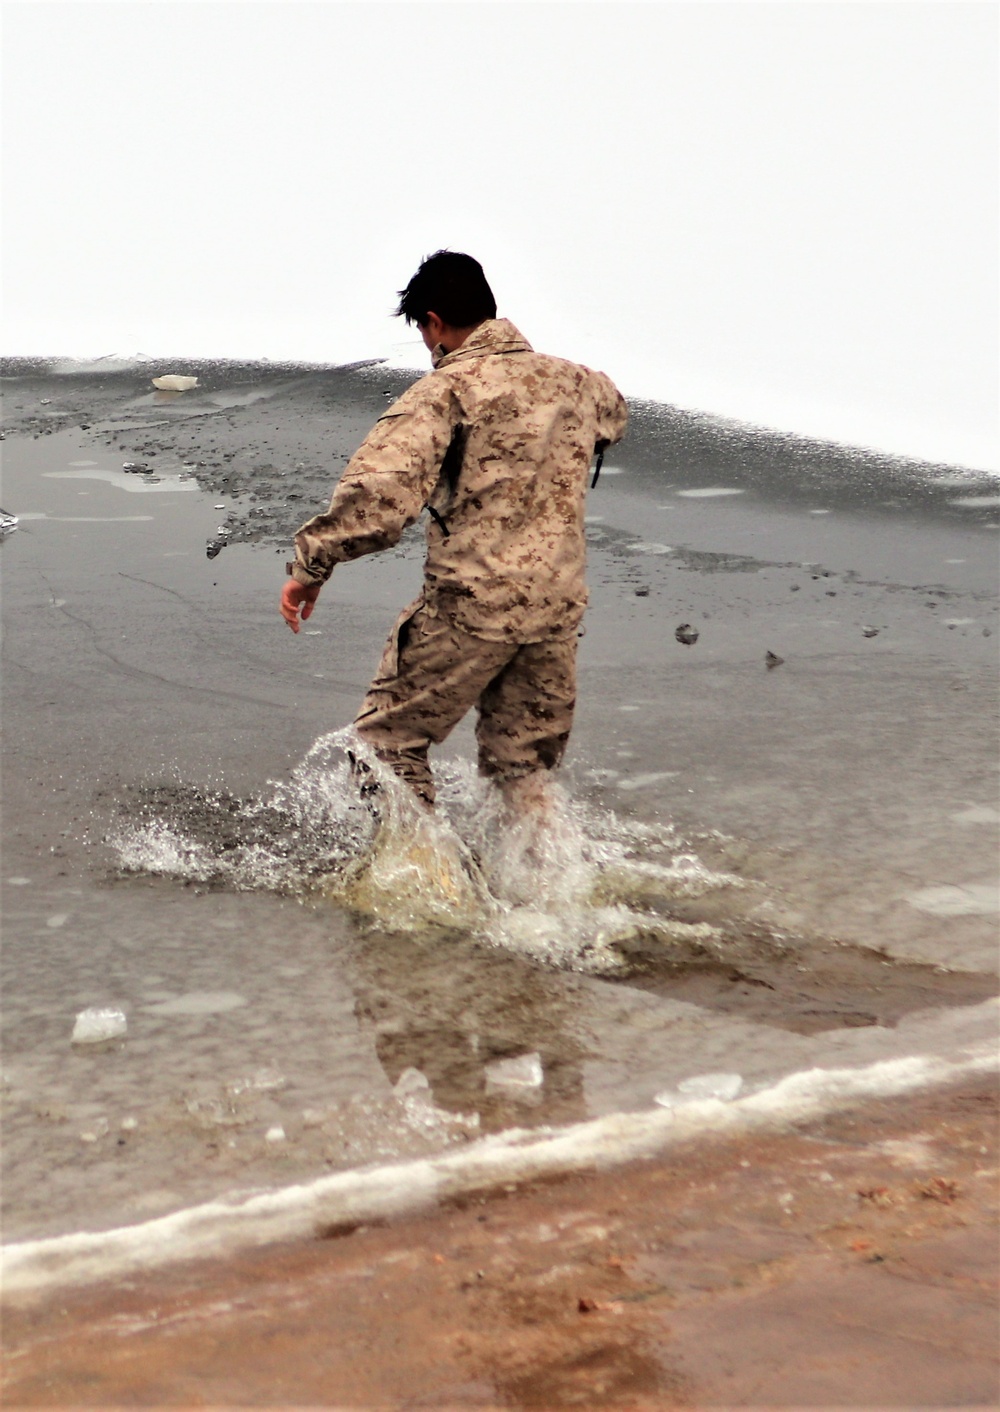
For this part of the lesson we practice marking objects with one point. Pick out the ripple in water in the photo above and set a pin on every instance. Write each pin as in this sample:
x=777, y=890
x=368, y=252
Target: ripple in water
x=570, y=891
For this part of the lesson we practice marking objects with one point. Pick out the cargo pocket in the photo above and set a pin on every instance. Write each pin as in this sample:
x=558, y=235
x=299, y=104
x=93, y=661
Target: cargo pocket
x=388, y=667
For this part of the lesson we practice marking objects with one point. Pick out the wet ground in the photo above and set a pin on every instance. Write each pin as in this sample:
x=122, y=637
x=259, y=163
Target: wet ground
x=760, y=868
x=846, y=1262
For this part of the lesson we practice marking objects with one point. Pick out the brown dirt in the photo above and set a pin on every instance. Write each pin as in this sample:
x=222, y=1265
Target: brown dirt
x=848, y=1263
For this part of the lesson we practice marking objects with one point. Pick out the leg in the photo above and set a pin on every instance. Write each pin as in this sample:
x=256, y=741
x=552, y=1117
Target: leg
x=431, y=673
x=525, y=718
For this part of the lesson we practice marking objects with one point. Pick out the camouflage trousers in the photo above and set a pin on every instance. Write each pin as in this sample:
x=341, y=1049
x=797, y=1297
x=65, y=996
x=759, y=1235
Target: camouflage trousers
x=432, y=673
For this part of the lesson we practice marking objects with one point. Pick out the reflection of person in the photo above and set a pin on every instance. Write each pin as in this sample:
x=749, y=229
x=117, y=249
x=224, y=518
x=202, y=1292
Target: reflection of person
x=453, y=1013
x=496, y=445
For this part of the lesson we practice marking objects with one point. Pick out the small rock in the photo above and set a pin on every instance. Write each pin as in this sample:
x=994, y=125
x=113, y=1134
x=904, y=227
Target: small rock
x=642, y=593
x=686, y=634
x=275, y=1134
x=940, y=1189
x=868, y=631
x=773, y=660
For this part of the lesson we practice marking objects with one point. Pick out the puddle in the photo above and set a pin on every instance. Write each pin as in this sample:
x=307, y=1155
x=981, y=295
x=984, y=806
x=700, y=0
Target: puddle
x=125, y=481
x=589, y=892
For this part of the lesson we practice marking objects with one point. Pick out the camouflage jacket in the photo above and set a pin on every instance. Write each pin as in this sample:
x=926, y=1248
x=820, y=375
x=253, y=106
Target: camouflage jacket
x=497, y=444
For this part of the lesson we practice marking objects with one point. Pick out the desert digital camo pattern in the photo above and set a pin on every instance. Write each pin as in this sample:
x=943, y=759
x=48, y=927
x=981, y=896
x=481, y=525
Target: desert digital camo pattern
x=432, y=673
x=497, y=441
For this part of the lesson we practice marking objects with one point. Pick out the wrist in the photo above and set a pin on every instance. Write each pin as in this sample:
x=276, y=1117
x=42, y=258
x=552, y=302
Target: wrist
x=301, y=575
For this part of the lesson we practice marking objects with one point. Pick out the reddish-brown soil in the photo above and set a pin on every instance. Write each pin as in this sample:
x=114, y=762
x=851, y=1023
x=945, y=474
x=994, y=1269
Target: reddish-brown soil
x=847, y=1263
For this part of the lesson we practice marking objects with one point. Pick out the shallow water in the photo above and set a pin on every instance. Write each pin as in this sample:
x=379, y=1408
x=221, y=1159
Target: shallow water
x=752, y=871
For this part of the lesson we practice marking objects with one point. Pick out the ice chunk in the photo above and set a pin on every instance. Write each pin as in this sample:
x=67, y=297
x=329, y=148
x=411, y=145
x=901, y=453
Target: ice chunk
x=411, y=1084
x=724, y=1086
x=523, y=1072
x=266, y=1080
x=175, y=382
x=99, y=1024
x=721, y=1086
x=8, y=523
x=276, y=1134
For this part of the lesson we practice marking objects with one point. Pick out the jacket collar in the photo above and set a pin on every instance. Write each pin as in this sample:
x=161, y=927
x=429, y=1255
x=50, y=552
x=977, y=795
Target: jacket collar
x=493, y=336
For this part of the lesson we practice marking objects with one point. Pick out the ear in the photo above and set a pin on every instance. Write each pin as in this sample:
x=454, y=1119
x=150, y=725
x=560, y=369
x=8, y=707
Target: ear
x=435, y=325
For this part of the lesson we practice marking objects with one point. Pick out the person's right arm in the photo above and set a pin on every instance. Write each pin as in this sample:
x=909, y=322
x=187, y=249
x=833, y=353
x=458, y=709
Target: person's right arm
x=385, y=485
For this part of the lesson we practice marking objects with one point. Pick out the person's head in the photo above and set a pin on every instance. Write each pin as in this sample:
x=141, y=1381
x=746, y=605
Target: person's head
x=447, y=298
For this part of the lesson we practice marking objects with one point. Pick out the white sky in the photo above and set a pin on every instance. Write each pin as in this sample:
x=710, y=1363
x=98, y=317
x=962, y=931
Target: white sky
x=782, y=212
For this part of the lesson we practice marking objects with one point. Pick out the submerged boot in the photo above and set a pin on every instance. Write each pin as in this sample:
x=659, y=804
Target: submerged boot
x=417, y=874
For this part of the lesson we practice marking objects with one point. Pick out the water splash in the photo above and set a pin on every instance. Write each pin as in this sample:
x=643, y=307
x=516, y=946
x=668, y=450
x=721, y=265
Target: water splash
x=574, y=886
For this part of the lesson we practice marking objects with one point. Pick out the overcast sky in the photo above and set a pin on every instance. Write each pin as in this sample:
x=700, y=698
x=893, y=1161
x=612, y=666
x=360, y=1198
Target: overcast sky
x=780, y=212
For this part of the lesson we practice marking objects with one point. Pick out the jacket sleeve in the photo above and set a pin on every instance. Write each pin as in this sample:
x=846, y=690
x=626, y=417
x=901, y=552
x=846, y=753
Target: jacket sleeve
x=612, y=412
x=385, y=485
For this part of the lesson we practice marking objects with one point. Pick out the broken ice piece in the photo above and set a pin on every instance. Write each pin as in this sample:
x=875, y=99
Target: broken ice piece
x=721, y=1086
x=724, y=1086
x=410, y=1083
x=8, y=523
x=275, y=1134
x=523, y=1072
x=97, y=1025
x=175, y=382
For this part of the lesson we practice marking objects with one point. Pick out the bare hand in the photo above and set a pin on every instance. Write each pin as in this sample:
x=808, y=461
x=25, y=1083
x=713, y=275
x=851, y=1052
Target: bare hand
x=296, y=597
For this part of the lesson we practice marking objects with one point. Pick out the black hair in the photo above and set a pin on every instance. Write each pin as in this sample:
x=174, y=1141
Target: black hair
x=450, y=285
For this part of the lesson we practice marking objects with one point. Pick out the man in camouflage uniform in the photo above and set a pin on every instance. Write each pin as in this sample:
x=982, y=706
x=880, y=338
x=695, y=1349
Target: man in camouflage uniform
x=496, y=444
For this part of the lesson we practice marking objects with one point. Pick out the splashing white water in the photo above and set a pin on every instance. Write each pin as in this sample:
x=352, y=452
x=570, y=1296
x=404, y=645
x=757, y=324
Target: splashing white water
x=566, y=886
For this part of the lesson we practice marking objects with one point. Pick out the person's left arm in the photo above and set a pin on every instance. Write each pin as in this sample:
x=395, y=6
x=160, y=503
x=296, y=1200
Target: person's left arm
x=612, y=411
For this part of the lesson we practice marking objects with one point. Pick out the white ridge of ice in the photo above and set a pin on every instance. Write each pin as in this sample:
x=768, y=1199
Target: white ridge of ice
x=296, y=1212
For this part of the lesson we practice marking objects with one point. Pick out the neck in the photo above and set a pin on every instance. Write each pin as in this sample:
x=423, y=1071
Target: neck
x=452, y=338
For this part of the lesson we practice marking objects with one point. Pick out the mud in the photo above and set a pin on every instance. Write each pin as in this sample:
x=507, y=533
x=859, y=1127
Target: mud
x=849, y=1262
